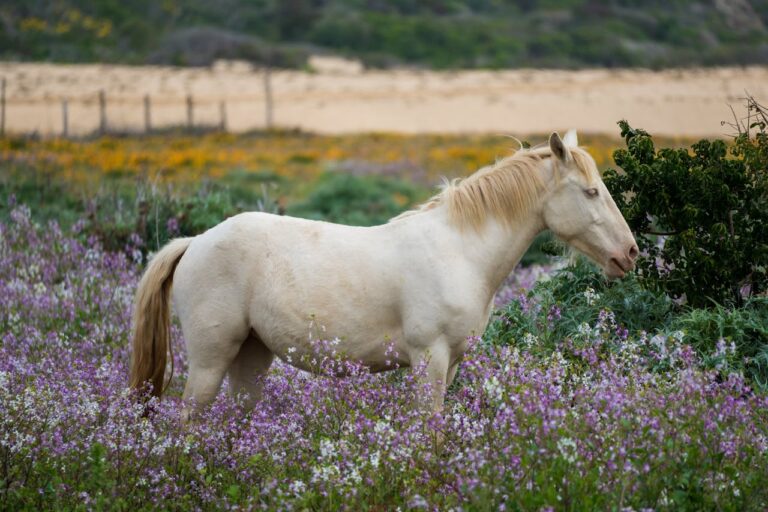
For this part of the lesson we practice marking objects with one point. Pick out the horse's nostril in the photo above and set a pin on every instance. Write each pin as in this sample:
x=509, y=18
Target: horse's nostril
x=633, y=251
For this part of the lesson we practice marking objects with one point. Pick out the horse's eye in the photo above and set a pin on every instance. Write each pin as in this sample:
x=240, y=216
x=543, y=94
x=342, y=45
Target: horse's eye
x=591, y=192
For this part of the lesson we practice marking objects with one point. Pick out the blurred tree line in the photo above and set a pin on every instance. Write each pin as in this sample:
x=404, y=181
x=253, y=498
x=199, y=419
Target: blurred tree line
x=429, y=33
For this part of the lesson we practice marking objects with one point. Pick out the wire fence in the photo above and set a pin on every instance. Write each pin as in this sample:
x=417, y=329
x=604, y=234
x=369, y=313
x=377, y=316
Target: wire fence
x=102, y=113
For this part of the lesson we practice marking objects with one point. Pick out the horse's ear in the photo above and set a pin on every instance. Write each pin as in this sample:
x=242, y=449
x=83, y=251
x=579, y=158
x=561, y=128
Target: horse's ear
x=558, y=148
x=571, y=140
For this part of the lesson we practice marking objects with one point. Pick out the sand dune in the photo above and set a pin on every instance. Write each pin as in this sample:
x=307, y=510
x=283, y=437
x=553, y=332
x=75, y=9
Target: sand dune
x=689, y=102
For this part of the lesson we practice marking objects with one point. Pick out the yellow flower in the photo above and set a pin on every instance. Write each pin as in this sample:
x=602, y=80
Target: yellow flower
x=33, y=25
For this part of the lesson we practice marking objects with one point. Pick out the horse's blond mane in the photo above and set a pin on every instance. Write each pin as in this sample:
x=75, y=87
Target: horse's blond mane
x=505, y=190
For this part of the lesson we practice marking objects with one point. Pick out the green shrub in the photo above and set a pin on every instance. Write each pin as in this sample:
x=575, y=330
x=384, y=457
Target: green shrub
x=359, y=201
x=558, y=308
x=578, y=307
x=700, y=218
x=539, y=252
x=440, y=34
x=141, y=216
x=730, y=339
x=150, y=216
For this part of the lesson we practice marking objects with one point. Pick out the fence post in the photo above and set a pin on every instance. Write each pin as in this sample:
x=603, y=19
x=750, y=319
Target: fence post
x=190, y=107
x=102, y=112
x=147, y=114
x=64, y=118
x=268, y=97
x=2, y=108
x=222, y=116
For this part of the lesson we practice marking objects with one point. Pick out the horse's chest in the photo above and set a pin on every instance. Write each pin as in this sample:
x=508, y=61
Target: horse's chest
x=453, y=316
x=468, y=320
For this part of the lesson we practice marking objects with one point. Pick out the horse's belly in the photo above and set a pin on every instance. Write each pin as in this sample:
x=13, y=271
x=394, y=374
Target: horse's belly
x=351, y=326
x=337, y=357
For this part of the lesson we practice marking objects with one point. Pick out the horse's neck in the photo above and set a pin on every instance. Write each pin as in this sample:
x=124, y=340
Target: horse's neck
x=493, y=251
x=497, y=248
x=500, y=246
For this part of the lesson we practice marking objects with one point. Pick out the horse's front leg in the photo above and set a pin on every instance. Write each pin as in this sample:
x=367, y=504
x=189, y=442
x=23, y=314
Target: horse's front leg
x=433, y=363
x=452, y=373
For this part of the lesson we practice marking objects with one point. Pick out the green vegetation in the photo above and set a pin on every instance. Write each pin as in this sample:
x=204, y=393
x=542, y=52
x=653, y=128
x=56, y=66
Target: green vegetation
x=578, y=308
x=176, y=184
x=359, y=201
x=603, y=421
x=700, y=217
x=144, y=215
x=582, y=392
x=440, y=34
x=105, y=188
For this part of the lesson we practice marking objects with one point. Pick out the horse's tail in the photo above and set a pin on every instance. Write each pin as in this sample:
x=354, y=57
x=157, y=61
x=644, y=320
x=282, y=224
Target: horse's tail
x=152, y=319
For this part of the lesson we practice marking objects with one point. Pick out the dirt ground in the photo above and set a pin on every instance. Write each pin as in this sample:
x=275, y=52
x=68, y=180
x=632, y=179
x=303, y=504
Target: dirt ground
x=680, y=102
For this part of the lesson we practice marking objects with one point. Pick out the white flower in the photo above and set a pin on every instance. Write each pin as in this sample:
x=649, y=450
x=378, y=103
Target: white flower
x=529, y=339
x=557, y=359
x=659, y=342
x=327, y=449
x=40, y=289
x=584, y=329
x=568, y=450
x=678, y=335
x=493, y=389
x=383, y=429
x=353, y=476
x=297, y=487
x=325, y=473
x=591, y=295
x=417, y=501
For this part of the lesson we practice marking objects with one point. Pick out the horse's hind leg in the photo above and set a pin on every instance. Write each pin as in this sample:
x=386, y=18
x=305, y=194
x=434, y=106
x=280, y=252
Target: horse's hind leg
x=246, y=371
x=211, y=350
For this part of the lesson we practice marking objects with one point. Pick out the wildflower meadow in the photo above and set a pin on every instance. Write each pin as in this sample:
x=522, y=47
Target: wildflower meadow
x=162, y=164
x=608, y=419
x=582, y=394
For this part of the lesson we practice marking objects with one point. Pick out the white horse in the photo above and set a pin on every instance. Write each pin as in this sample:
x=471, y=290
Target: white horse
x=247, y=289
